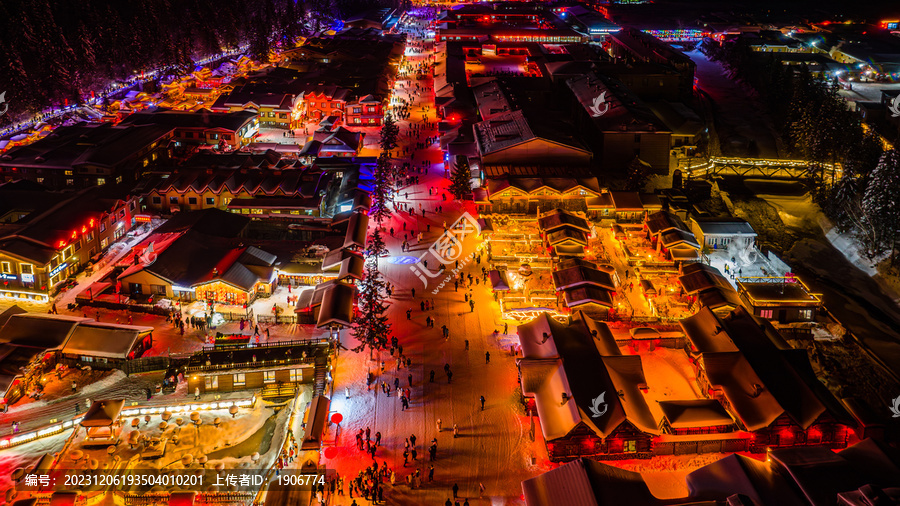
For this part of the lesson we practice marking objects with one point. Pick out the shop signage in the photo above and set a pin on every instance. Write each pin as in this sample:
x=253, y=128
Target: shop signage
x=56, y=270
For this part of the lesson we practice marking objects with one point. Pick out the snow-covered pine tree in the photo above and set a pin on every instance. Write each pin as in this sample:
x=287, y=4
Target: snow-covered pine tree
x=370, y=326
x=381, y=189
x=375, y=247
x=881, y=203
x=461, y=180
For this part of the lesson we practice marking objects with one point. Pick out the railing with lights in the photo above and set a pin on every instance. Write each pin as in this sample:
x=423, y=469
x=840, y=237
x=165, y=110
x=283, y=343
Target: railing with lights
x=27, y=437
x=136, y=409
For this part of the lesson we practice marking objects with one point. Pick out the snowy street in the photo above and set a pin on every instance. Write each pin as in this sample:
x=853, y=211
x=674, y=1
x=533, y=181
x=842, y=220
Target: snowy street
x=492, y=448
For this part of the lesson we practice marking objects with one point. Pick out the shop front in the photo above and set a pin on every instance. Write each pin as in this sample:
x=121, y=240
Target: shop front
x=224, y=293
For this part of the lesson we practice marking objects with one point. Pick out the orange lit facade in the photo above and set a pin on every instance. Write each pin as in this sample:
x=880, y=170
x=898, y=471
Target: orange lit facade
x=36, y=260
x=225, y=293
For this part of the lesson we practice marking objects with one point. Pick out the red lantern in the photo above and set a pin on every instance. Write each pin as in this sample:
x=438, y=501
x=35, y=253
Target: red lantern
x=337, y=418
x=330, y=452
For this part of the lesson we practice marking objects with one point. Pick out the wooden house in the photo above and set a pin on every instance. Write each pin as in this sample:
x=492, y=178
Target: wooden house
x=769, y=388
x=587, y=395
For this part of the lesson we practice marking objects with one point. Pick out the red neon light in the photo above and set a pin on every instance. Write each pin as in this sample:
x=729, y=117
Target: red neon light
x=83, y=230
x=62, y=243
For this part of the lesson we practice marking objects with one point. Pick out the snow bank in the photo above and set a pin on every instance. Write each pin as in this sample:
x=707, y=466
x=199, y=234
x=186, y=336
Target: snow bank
x=848, y=247
x=109, y=381
x=27, y=455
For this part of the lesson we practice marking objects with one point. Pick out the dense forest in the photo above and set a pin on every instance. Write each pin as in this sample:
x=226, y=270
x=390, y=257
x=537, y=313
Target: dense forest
x=816, y=124
x=57, y=51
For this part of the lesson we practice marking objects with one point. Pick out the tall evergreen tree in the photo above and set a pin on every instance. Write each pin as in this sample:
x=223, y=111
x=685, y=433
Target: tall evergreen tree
x=375, y=246
x=881, y=203
x=639, y=173
x=381, y=189
x=461, y=180
x=390, y=132
x=370, y=326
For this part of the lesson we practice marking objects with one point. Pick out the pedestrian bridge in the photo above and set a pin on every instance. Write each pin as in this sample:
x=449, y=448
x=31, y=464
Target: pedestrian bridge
x=761, y=168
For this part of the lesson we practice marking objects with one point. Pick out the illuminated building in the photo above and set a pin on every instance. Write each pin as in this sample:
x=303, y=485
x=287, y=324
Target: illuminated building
x=47, y=237
x=88, y=154
x=234, y=129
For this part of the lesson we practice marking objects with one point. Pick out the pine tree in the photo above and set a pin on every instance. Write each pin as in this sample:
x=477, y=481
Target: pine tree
x=639, y=173
x=370, y=326
x=461, y=181
x=381, y=189
x=881, y=204
x=842, y=203
x=375, y=246
x=390, y=131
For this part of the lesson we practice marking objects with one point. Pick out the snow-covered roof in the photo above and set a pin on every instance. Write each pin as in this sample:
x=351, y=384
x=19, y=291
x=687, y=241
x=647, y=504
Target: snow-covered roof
x=663, y=220
x=102, y=413
x=695, y=413
x=318, y=415
x=674, y=237
x=760, y=380
x=38, y=330
x=584, y=482
x=356, y=230
x=558, y=218
x=337, y=305
x=535, y=337
x=335, y=258
x=719, y=299
x=593, y=382
x=702, y=278
x=568, y=235
x=499, y=281
x=587, y=294
x=737, y=474
x=703, y=330
x=107, y=340
x=599, y=330
x=576, y=276
x=731, y=227
x=546, y=381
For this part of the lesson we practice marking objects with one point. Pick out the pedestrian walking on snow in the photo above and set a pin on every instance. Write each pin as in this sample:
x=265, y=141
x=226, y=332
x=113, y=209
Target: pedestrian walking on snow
x=482, y=403
x=487, y=357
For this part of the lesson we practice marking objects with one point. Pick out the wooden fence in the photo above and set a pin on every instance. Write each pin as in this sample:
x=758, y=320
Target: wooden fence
x=146, y=364
x=691, y=447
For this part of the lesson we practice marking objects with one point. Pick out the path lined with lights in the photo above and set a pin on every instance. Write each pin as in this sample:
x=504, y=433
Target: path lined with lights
x=492, y=448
